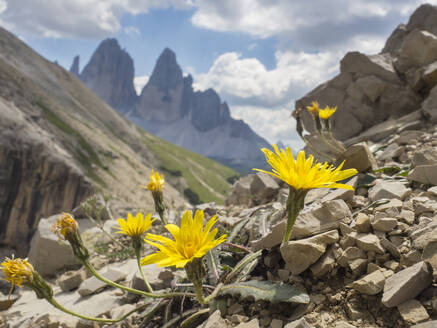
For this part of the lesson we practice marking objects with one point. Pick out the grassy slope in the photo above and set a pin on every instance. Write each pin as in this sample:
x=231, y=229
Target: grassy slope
x=207, y=179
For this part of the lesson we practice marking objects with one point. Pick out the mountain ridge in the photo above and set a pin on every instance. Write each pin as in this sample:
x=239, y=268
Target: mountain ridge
x=169, y=107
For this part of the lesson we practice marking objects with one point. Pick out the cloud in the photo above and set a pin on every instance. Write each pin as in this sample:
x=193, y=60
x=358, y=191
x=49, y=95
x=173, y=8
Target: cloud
x=131, y=30
x=84, y=19
x=247, y=81
x=276, y=125
x=140, y=82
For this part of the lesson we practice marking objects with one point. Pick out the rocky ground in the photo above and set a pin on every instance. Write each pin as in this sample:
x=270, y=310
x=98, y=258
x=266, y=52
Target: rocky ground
x=366, y=258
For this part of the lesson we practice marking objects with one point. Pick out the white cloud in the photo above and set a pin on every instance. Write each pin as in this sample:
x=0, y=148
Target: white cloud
x=273, y=125
x=131, y=30
x=247, y=80
x=75, y=19
x=140, y=82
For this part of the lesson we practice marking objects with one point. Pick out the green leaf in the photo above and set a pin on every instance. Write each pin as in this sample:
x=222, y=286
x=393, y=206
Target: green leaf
x=389, y=170
x=266, y=291
x=237, y=229
x=244, y=267
x=213, y=264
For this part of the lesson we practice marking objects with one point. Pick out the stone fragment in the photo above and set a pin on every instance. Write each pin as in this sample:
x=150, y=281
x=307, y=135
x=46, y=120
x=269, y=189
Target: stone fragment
x=370, y=284
x=426, y=174
x=158, y=278
x=254, y=323
x=121, y=310
x=264, y=187
x=47, y=253
x=362, y=223
x=412, y=311
x=215, y=320
x=358, y=266
x=301, y=323
x=343, y=324
x=383, y=224
x=359, y=157
x=386, y=189
x=406, y=284
x=240, y=194
x=300, y=254
x=311, y=221
x=430, y=255
x=392, y=151
x=428, y=324
x=325, y=265
x=369, y=242
x=424, y=156
x=407, y=217
x=344, y=194
x=71, y=280
x=93, y=285
x=350, y=254
x=276, y=323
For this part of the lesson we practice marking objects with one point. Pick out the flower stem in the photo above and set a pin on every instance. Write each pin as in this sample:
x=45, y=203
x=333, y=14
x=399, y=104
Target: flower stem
x=138, y=255
x=199, y=293
x=295, y=203
x=53, y=302
x=132, y=290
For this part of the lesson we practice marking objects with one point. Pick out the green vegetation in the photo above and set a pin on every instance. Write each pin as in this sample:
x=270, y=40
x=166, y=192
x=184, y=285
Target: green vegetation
x=83, y=151
x=207, y=180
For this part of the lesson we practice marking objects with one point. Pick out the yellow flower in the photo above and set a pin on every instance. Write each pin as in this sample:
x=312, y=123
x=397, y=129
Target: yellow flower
x=327, y=112
x=156, y=182
x=65, y=225
x=191, y=241
x=135, y=226
x=17, y=271
x=303, y=173
x=314, y=108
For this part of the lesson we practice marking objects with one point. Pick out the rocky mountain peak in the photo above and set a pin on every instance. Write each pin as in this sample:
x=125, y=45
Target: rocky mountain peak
x=110, y=74
x=74, y=69
x=167, y=75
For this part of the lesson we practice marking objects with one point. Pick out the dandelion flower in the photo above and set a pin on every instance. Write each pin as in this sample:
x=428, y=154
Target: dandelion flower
x=156, y=182
x=64, y=226
x=191, y=241
x=17, y=271
x=304, y=173
x=327, y=112
x=135, y=226
x=314, y=108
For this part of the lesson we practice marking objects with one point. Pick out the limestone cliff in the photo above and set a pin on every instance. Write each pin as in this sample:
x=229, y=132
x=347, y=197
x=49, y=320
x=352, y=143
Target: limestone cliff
x=110, y=74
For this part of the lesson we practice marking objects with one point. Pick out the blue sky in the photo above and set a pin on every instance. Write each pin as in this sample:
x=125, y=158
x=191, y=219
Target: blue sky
x=259, y=55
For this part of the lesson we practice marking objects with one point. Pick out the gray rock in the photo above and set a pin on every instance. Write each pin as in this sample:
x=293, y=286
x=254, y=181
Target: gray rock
x=430, y=254
x=93, y=285
x=47, y=253
x=240, y=194
x=426, y=174
x=386, y=189
x=300, y=254
x=350, y=254
x=428, y=324
x=424, y=156
x=71, y=280
x=343, y=324
x=359, y=157
x=412, y=311
x=215, y=320
x=369, y=243
x=264, y=187
x=301, y=323
x=383, y=224
x=158, y=278
x=406, y=284
x=324, y=265
x=362, y=223
x=312, y=220
x=251, y=324
x=370, y=284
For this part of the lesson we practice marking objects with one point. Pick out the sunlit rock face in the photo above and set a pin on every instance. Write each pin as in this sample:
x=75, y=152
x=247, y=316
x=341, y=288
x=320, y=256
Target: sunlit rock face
x=110, y=74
